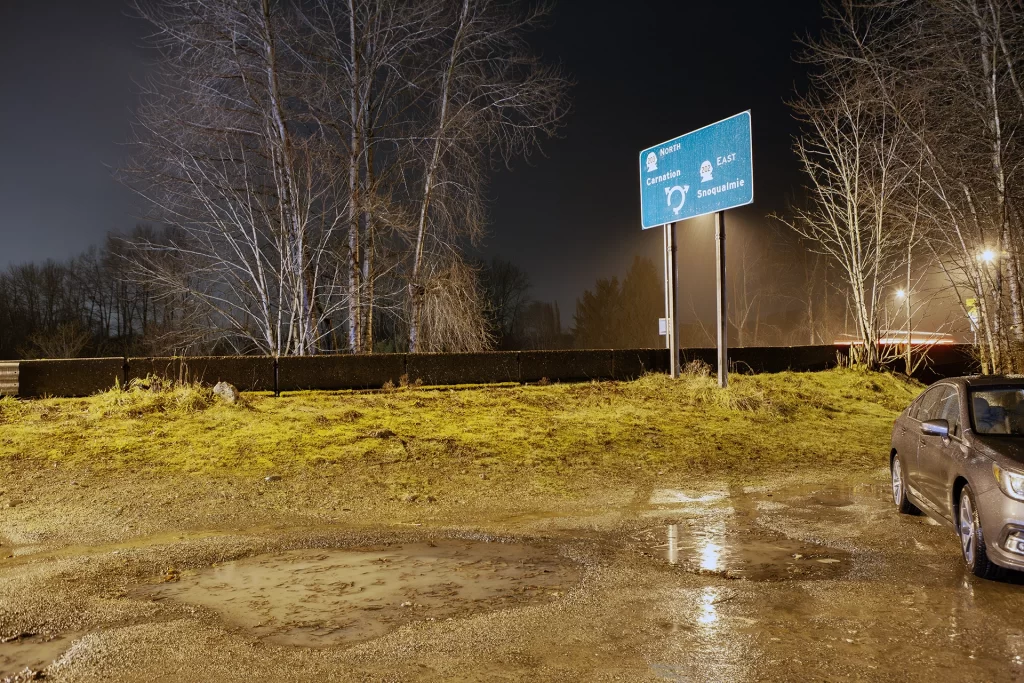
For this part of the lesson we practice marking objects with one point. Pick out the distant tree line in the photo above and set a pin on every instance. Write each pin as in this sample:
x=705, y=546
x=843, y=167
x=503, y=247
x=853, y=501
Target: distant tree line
x=97, y=305
x=92, y=305
x=780, y=294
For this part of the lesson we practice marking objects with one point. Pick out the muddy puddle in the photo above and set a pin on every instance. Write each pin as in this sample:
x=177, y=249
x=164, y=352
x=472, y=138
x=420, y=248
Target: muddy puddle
x=742, y=554
x=328, y=597
x=30, y=651
x=873, y=496
x=715, y=533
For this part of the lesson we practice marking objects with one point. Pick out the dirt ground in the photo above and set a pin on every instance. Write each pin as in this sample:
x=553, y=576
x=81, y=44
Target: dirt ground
x=807, y=575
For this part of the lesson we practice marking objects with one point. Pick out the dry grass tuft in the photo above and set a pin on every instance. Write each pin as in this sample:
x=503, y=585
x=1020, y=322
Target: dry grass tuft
x=11, y=409
x=149, y=395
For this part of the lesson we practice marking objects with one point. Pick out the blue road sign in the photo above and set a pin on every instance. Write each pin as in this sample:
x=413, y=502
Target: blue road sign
x=708, y=170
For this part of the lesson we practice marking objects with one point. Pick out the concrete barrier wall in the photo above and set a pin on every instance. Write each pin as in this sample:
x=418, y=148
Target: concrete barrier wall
x=71, y=377
x=633, y=363
x=463, y=368
x=248, y=373
x=9, y=378
x=84, y=376
x=781, y=358
x=340, y=372
x=565, y=366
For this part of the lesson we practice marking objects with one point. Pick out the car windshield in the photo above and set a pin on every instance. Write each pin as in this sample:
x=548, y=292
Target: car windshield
x=998, y=410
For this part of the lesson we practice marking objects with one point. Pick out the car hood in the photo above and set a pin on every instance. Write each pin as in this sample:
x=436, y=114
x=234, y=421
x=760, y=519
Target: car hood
x=1009, y=447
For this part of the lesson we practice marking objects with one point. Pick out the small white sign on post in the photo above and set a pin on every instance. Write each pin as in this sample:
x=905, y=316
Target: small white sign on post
x=662, y=326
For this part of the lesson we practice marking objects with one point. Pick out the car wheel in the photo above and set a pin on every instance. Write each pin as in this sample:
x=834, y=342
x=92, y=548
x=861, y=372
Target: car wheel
x=972, y=540
x=899, y=489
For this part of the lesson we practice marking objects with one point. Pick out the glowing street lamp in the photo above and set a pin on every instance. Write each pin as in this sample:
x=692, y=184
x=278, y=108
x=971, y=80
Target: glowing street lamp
x=900, y=294
x=988, y=256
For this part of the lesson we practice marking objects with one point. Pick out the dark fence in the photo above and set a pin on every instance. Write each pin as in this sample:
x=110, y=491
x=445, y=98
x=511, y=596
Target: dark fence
x=84, y=376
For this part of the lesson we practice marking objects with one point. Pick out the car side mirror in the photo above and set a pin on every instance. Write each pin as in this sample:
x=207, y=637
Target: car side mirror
x=935, y=428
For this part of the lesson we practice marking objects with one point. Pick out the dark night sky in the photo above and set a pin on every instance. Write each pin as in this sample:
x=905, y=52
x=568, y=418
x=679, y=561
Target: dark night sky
x=646, y=71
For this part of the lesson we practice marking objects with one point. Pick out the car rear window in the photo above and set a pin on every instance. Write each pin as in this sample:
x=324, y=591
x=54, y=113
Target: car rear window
x=998, y=410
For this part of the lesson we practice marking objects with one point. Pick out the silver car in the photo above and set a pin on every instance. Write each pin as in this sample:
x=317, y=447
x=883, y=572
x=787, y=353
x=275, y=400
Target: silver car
x=958, y=455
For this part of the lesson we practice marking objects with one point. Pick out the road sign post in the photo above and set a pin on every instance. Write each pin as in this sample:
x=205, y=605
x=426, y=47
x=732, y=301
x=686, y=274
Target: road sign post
x=667, y=283
x=671, y=329
x=722, y=308
x=706, y=171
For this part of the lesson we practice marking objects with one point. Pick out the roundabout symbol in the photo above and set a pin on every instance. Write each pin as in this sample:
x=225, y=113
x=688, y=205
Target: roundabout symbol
x=682, y=190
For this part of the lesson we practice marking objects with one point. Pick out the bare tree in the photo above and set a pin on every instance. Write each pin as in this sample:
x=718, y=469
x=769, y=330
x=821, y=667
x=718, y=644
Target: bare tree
x=453, y=313
x=757, y=287
x=68, y=340
x=323, y=163
x=235, y=151
x=369, y=60
x=850, y=151
x=489, y=94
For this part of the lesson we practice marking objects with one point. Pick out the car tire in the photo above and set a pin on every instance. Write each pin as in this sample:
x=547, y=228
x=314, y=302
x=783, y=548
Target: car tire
x=899, y=488
x=972, y=539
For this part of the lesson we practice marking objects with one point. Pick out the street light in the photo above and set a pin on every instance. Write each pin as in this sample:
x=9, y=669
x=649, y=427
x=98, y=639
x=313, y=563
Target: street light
x=988, y=256
x=900, y=294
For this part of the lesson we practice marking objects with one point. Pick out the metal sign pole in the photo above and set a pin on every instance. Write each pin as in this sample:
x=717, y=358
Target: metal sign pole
x=665, y=281
x=671, y=328
x=723, y=312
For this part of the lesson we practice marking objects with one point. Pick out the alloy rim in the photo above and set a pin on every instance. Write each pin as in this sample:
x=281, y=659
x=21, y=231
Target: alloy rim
x=967, y=528
x=897, y=481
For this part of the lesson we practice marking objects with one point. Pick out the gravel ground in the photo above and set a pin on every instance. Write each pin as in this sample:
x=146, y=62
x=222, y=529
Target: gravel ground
x=797, y=577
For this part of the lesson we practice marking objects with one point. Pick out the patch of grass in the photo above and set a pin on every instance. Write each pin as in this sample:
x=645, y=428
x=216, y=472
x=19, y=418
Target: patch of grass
x=153, y=395
x=416, y=442
x=10, y=409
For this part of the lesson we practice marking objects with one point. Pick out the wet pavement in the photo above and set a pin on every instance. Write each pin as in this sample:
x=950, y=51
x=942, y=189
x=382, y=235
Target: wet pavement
x=724, y=582
x=742, y=553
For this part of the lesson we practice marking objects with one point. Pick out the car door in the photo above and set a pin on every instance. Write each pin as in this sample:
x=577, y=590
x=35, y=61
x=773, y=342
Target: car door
x=935, y=455
x=909, y=436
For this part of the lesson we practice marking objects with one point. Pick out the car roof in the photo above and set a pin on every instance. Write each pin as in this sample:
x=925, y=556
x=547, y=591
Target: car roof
x=991, y=380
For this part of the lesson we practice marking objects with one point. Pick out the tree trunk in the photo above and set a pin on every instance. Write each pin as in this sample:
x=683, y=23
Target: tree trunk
x=416, y=288
x=354, y=284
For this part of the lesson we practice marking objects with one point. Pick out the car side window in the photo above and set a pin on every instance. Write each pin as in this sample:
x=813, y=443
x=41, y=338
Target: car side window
x=927, y=403
x=948, y=409
x=915, y=410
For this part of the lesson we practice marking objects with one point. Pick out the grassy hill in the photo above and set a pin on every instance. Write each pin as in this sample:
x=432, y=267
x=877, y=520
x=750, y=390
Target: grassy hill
x=419, y=442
